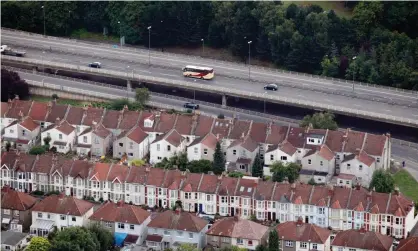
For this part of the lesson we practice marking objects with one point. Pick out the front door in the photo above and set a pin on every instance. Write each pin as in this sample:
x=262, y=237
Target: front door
x=195, y=207
x=200, y=208
x=232, y=211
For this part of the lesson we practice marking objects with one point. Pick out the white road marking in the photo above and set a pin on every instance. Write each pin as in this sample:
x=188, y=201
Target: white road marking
x=108, y=50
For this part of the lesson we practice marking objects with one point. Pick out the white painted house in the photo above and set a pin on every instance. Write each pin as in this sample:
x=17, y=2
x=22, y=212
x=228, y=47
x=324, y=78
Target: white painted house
x=284, y=152
x=362, y=166
x=59, y=212
x=84, y=142
x=62, y=134
x=166, y=146
x=202, y=148
x=22, y=133
x=134, y=144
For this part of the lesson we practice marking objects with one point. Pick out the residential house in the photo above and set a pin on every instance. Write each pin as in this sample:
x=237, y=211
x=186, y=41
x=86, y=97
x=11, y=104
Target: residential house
x=283, y=152
x=166, y=146
x=123, y=220
x=162, y=123
x=202, y=148
x=132, y=144
x=59, y=212
x=185, y=125
x=115, y=180
x=55, y=112
x=77, y=179
x=233, y=231
x=361, y=166
x=228, y=204
x=189, y=193
x=58, y=177
x=241, y=153
x=22, y=134
x=39, y=112
x=16, y=171
x=207, y=193
x=14, y=241
x=101, y=140
x=91, y=116
x=303, y=236
x=83, y=142
x=156, y=195
x=408, y=244
x=318, y=163
x=97, y=184
x=62, y=134
x=170, y=229
x=135, y=185
x=361, y=240
x=16, y=110
x=244, y=195
x=74, y=117
x=41, y=171
x=15, y=209
x=264, y=206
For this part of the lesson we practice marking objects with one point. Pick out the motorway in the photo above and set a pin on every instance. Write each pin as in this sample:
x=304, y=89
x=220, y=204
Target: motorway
x=232, y=76
x=399, y=153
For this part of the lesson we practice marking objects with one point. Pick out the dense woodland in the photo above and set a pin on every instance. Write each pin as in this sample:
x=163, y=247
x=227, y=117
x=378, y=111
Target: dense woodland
x=382, y=36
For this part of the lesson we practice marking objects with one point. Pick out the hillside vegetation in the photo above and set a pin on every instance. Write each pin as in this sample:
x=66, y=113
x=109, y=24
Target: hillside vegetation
x=380, y=36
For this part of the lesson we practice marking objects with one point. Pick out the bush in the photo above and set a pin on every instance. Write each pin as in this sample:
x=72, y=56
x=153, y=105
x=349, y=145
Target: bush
x=221, y=116
x=53, y=149
x=36, y=150
x=55, y=96
x=38, y=192
x=52, y=192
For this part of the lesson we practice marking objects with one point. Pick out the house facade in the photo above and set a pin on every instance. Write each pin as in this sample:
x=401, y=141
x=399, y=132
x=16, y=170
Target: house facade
x=22, y=134
x=132, y=144
x=361, y=240
x=202, y=148
x=62, y=135
x=166, y=146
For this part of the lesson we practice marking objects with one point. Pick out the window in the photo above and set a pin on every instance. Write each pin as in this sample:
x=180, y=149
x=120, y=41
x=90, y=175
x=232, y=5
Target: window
x=244, y=153
x=352, y=249
x=314, y=246
x=60, y=136
x=271, y=157
x=348, y=166
x=340, y=249
x=250, y=242
x=16, y=213
x=360, y=167
x=23, y=132
x=158, y=147
x=309, y=161
x=397, y=220
x=234, y=152
x=168, y=148
x=12, y=131
x=283, y=158
x=84, y=139
x=131, y=145
x=378, y=160
x=303, y=245
x=132, y=227
x=240, y=241
x=121, y=144
x=121, y=225
x=166, y=232
x=39, y=215
x=208, y=197
x=96, y=141
x=7, y=212
x=73, y=218
x=289, y=244
x=130, y=154
x=321, y=210
x=321, y=163
x=205, y=151
x=48, y=134
x=195, y=150
x=62, y=217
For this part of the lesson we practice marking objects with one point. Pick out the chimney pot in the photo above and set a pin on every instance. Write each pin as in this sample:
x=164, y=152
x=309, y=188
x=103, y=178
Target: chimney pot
x=299, y=221
x=397, y=190
x=57, y=120
x=17, y=97
x=293, y=186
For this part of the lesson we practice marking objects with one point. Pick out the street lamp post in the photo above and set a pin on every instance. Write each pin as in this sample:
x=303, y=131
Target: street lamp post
x=203, y=46
x=66, y=27
x=43, y=10
x=120, y=34
x=249, y=60
x=354, y=71
x=149, y=45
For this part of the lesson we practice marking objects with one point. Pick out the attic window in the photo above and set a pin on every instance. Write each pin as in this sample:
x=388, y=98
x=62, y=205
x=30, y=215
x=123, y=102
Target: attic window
x=241, y=189
x=249, y=189
x=311, y=140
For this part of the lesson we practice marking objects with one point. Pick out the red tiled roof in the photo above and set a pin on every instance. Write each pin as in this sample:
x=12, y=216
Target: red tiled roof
x=319, y=196
x=365, y=158
x=56, y=111
x=264, y=191
x=296, y=137
x=29, y=124
x=408, y=244
x=399, y=204
x=172, y=137
x=80, y=169
x=375, y=144
x=345, y=176
x=335, y=140
x=235, y=227
x=304, y=232
x=8, y=159
x=25, y=162
x=354, y=141
x=60, y=204
x=4, y=108
x=65, y=127
x=137, y=175
x=282, y=192
x=192, y=182
x=120, y=212
x=302, y=191
x=204, y=124
x=92, y=114
x=118, y=171
x=208, y=140
x=111, y=119
x=184, y=124
x=38, y=111
x=240, y=129
x=342, y=195
x=14, y=200
x=155, y=177
x=228, y=186
x=129, y=120
x=221, y=127
x=363, y=240
x=43, y=164
x=100, y=171
x=258, y=132
x=209, y=184
x=277, y=134
x=183, y=221
x=326, y=153
x=154, y=238
x=18, y=107
x=358, y=196
x=246, y=187
x=336, y=205
x=165, y=123
x=285, y=147
x=101, y=131
x=137, y=135
x=75, y=115
x=173, y=179
x=246, y=143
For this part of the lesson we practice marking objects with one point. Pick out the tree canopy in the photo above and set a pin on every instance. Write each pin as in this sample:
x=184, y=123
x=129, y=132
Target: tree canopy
x=320, y=121
x=12, y=85
x=273, y=243
x=257, y=168
x=218, y=160
x=75, y=239
x=282, y=171
x=305, y=38
x=38, y=244
x=142, y=96
x=382, y=181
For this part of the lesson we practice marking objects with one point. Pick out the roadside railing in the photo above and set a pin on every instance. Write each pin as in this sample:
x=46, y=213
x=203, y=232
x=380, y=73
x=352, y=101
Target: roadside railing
x=215, y=89
x=210, y=61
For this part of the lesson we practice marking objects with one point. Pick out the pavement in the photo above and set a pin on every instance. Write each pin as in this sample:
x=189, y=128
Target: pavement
x=230, y=75
x=399, y=153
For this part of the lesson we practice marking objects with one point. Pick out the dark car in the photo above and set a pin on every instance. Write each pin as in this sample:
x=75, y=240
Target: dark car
x=95, y=65
x=271, y=87
x=189, y=105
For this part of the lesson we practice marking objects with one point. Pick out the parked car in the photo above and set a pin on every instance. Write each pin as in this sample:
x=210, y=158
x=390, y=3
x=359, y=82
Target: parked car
x=95, y=65
x=271, y=87
x=190, y=105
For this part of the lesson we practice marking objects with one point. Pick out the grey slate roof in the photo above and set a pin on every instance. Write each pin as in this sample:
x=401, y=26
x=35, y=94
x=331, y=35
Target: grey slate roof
x=12, y=238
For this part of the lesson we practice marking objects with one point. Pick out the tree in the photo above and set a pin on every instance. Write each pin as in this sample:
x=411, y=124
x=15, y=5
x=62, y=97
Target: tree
x=103, y=235
x=137, y=162
x=37, y=150
x=261, y=248
x=142, y=96
x=47, y=140
x=330, y=67
x=38, y=244
x=282, y=171
x=257, y=168
x=273, y=242
x=218, y=160
x=320, y=121
x=236, y=174
x=54, y=96
x=187, y=247
x=7, y=146
x=119, y=104
x=200, y=166
x=382, y=181
x=75, y=239
x=12, y=85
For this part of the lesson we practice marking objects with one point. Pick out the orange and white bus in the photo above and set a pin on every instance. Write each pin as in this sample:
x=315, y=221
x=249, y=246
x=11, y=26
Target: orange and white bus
x=198, y=72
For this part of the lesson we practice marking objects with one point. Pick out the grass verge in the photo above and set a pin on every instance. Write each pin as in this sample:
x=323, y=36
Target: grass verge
x=83, y=34
x=407, y=184
x=72, y=102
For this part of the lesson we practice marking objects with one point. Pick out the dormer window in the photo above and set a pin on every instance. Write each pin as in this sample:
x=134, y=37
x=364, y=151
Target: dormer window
x=148, y=123
x=315, y=139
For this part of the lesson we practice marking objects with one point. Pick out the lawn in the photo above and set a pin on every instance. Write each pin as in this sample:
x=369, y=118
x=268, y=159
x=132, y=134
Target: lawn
x=96, y=37
x=337, y=6
x=407, y=184
x=71, y=102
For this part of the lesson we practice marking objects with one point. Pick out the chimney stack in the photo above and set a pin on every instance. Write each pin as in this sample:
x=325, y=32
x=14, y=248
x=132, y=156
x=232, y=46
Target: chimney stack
x=120, y=203
x=61, y=196
x=57, y=120
x=358, y=186
x=397, y=190
x=330, y=190
x=178, y=211
x=293, y=186
x=299, y=222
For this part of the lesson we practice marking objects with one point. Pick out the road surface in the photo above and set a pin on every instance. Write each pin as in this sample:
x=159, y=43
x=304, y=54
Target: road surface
x=369, y=99
x=399, y=153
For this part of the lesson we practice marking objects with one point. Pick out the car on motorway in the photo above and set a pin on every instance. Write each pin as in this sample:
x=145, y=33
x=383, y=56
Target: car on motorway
x=95, y=65
x=190, y=105
x=271, y=87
